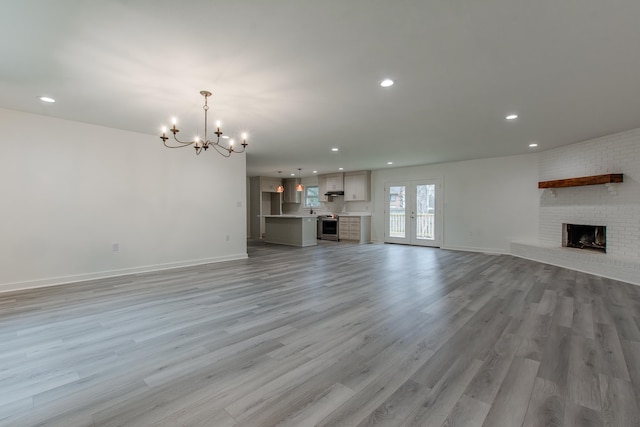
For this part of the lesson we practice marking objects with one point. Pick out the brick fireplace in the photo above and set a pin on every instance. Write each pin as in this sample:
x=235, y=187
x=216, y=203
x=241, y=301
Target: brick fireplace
x=612, y=209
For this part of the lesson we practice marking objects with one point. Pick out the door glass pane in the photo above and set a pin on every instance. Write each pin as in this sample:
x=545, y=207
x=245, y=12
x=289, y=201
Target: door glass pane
x=397, y=211
x=425, y=211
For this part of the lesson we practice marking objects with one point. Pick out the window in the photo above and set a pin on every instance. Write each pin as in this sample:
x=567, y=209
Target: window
x=311, y=196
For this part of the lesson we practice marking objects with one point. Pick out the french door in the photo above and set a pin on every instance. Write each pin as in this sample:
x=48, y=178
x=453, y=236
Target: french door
x=413, y=212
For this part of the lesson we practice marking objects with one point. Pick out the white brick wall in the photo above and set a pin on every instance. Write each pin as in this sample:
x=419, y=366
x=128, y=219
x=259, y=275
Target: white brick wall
x=619, y=211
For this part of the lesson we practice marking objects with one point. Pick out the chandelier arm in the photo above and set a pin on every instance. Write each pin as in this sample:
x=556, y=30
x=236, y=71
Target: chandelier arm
x=221, y=150
x=184, y=144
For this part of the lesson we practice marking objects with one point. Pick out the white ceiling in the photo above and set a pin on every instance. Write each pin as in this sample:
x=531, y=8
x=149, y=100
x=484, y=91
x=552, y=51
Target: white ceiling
x=302, y=76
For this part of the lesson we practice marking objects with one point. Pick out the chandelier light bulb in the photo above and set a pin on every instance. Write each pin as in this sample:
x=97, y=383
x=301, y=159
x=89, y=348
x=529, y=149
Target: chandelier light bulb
x=218, y=124
x=231, y=142
x=174, y=121
x=164, y=130
x=244, y=136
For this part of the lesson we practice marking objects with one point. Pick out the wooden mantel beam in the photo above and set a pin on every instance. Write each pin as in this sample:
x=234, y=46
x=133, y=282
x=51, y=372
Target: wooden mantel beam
x=579, y=182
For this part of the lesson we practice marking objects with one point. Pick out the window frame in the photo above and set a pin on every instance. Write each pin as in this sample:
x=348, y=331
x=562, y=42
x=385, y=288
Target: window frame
x=307, y=196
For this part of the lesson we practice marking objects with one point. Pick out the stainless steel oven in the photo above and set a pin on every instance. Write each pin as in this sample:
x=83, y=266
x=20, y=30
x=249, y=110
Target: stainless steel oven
x=327, y=228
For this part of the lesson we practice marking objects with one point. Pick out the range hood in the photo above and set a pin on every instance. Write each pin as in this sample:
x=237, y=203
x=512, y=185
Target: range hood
x=334, y=193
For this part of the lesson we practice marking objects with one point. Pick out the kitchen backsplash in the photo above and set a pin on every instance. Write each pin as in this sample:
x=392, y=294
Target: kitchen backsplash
x=336, y=207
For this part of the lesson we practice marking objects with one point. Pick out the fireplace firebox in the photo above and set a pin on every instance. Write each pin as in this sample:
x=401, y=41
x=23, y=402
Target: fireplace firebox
x=591, y=237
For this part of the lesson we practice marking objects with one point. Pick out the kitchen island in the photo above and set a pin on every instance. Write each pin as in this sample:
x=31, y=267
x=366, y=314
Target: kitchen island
x=292, y=230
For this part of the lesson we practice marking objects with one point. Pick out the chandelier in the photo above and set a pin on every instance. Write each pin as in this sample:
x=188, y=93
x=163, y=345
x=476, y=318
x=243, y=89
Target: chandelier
x=204, y=144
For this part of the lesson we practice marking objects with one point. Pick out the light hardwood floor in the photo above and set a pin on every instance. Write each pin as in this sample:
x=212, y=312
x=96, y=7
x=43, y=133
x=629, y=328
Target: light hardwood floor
x=337, y=334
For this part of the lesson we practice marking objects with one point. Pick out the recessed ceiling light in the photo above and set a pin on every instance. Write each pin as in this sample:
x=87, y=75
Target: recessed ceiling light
x=511, y=117
x=340, y=169
x=225, y=136
x=533, y=145
x=47, y=99
x=334, y=149
x=315, y=171
x=292, y=174
x=386, y=83
x=389, y=163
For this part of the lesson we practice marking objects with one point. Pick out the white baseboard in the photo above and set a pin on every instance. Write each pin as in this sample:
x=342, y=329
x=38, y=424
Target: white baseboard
x=490, y=251
x=53, y=281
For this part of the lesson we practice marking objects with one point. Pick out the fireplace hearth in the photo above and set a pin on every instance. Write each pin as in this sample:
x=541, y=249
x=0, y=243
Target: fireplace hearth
x=590, y=237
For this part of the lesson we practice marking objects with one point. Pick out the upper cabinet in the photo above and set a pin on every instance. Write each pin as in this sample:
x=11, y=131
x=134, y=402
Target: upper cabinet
x=334, y=182
x=322, y=188
x=357, y=186
x=329, y=182
x=269, y=185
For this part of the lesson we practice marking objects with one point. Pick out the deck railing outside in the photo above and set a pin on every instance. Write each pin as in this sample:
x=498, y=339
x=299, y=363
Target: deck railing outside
x=424, y=225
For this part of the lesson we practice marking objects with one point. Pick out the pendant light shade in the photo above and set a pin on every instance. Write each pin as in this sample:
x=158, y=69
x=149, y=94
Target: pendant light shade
x=299, y=186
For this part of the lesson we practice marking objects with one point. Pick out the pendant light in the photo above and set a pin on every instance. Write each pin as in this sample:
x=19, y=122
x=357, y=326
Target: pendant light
x=280, y=187
x=299, y=186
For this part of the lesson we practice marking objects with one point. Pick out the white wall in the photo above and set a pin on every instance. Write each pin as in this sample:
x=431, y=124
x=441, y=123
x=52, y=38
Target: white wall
x=70, y=191
x=487, y=202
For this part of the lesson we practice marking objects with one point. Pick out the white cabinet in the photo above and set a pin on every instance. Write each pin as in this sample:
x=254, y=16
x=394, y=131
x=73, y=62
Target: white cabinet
x=330, y=182
x=356, y=228
x=322, y=188
x=334, y=182
x=269, y=185
x=356, y=186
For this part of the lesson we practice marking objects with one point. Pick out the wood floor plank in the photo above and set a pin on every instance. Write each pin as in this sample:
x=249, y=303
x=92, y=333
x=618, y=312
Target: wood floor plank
x=631, y=351
x=393, y=410
x=563, y=314
x=196, y=417
x=510, y=405
x=583, y=323
x=346, y=335
x=619, y=405
x=485, y=385
x=468, y=412
x=554, y=364
x=546, y=407
x=583, y=387
x=535, y=338
x=579, y=416
x=610, y=358
x=442, y=398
